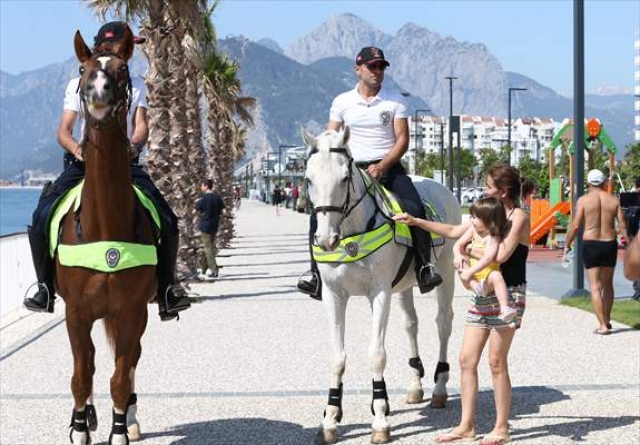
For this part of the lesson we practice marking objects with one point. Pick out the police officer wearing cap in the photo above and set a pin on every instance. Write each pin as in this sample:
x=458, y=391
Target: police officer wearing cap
x=378, y=121
x=171, y=296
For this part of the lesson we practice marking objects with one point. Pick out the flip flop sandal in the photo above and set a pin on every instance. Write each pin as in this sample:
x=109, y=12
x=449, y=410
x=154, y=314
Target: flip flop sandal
x=454, y=438
x=494, y=439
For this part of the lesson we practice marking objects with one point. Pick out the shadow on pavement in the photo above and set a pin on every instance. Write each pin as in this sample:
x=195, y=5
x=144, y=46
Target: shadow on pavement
x=527, y=401
x=245, y=431
x=228, y=296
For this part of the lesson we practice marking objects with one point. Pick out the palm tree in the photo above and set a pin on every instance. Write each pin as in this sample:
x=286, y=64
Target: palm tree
x=183, y=62
x=222, y=87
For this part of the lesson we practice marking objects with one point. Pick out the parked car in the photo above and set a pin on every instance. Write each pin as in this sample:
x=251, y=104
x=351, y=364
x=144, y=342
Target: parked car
x=471, y=194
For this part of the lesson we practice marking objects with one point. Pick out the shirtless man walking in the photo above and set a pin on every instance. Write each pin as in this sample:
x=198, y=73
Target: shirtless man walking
x=598, y=211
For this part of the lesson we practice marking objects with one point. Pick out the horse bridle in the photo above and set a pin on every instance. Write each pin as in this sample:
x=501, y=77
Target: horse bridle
x=344, y=210
x=122, y=99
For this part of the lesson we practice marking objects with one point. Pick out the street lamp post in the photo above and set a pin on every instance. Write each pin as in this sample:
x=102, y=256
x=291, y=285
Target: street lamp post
x=412, y=166
x=450, y=178
x=442, y=151
x=509, y=117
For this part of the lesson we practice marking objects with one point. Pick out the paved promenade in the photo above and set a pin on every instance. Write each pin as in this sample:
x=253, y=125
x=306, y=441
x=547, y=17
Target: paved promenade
x=248, y=364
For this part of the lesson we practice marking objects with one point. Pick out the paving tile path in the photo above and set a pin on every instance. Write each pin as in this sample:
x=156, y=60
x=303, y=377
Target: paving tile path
x=248, y=363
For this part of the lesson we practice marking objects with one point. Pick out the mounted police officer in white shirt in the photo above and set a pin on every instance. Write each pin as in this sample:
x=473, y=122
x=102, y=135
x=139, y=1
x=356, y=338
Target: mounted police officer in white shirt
x=377, y=119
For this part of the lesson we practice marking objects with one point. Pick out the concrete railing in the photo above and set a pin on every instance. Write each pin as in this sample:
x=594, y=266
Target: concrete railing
x=16, y=271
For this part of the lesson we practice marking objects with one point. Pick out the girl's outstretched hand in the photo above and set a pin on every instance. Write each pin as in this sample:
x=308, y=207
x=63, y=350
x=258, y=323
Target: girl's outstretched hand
x=405, y=218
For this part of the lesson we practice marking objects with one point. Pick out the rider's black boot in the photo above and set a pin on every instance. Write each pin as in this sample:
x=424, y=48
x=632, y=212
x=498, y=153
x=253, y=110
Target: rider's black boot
x=310, y=282
x=426, y=274
x=44, y=298
x=171, y=297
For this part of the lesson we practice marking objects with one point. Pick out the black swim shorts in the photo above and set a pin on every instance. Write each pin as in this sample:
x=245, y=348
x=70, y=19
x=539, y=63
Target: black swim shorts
x=600, y=253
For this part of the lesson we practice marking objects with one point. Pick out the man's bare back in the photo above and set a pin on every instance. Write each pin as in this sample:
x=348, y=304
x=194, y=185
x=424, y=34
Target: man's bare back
x=599, y=210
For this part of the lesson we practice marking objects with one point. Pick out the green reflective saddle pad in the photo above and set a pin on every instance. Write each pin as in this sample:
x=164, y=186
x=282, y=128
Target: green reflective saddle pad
x=105, y=256
x=432, y=215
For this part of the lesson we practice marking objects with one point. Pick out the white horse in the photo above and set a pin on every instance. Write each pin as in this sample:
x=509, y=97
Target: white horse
x=344, y=207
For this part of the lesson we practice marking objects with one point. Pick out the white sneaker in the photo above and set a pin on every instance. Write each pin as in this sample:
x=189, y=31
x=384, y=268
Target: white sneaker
x=208, y=275
x=507, y=314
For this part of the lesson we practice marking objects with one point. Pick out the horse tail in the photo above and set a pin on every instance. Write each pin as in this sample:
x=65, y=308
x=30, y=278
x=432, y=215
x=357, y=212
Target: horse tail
x=110, y=328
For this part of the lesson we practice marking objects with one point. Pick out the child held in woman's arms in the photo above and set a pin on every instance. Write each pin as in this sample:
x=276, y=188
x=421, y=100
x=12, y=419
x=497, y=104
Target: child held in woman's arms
x=475, y=253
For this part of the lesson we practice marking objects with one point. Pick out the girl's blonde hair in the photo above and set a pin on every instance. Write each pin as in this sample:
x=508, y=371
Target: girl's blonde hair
x=491, y=212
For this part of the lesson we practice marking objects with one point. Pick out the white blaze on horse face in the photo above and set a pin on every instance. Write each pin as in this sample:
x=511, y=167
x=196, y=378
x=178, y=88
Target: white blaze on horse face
x=329, y=173
x=99, y=98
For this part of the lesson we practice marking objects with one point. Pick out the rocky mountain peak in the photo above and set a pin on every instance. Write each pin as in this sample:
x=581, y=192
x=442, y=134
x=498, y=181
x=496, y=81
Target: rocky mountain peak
x=341, y=35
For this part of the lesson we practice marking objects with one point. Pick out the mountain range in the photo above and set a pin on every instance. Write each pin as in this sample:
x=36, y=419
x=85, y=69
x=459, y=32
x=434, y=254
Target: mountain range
x=295, y=86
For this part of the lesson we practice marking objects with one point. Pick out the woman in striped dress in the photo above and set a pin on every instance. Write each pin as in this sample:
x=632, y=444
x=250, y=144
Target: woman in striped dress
x=483, y=322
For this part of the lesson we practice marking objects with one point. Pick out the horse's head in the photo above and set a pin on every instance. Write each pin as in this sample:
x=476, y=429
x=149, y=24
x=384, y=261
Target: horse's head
x=329, y=178
x=104, y=77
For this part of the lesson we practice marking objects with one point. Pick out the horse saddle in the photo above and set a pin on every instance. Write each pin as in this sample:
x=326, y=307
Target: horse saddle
x=104, y=256
x=390, y=205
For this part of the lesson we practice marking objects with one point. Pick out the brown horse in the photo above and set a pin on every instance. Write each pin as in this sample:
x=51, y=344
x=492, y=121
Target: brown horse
x=108, y=212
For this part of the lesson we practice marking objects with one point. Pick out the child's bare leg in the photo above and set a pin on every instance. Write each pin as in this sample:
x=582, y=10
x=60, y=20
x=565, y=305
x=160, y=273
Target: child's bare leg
x=496, y=281
x=497, y=284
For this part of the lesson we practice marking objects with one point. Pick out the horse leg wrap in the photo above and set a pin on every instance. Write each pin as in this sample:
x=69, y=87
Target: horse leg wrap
x=335, y=399
x=78, y=423
x=380, y=392
x=416, y=364
x=442, y=367
x=119, y=426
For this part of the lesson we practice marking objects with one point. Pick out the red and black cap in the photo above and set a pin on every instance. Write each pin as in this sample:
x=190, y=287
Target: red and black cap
x=113, y=32
x=371, y=54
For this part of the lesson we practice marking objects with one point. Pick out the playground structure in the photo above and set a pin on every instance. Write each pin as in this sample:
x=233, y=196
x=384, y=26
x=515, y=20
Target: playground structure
x=552, y=216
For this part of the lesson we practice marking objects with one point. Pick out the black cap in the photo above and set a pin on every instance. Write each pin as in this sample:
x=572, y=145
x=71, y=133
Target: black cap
x=370, y=54
x=113, y=32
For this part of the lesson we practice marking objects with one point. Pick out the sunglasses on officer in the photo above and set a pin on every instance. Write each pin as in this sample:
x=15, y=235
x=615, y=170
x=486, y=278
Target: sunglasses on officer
x=378, y=66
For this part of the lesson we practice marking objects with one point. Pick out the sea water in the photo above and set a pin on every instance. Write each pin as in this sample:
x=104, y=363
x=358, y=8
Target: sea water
x=16, y=206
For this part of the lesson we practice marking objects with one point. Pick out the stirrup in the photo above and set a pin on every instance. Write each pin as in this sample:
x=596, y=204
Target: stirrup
x=434, y=281
x=307, y=286
x=165, y=312
x=49, y=307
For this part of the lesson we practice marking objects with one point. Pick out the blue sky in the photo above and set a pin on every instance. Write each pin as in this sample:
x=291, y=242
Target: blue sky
x=533, y=38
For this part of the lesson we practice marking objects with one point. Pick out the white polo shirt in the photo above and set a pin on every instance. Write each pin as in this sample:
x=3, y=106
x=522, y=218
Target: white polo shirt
x=138, y=99
x=371, y=123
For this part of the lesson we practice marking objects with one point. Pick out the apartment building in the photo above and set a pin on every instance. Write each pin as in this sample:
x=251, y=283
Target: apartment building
x=530, y=137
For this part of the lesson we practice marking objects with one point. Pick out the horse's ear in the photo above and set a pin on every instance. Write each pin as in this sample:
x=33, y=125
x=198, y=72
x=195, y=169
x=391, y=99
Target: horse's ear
x=345, y=135
x=309, y=141
x=83, y=53
x=125, y=50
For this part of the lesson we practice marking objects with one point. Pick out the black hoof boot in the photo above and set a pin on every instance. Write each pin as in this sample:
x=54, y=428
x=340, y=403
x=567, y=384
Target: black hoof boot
x=42, y=301
x=311, y=284
x=428, y=279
